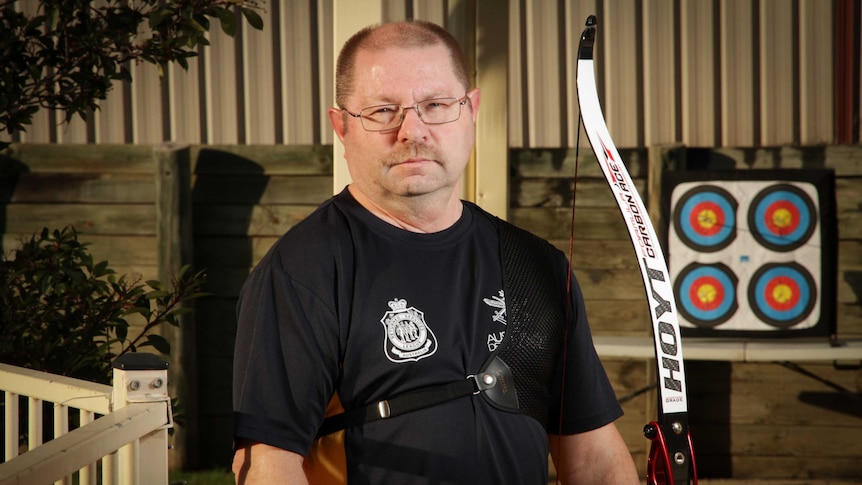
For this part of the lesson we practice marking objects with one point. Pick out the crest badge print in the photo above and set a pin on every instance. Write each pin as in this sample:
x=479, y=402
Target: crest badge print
x=498, y=303
x=407, y=336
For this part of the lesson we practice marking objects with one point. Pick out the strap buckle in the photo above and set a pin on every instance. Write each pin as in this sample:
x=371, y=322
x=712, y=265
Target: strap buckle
x=383, y=409
x=482, y=382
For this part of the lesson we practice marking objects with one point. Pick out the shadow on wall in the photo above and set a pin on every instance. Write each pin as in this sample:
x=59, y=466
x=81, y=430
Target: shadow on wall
x=10, y=171
x=709, y=389
x=226, y=189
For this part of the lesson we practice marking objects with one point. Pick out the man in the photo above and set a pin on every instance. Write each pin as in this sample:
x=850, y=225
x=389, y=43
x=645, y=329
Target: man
x=396, y=286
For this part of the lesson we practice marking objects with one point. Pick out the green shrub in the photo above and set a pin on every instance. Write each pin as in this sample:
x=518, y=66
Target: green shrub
x=61, y=313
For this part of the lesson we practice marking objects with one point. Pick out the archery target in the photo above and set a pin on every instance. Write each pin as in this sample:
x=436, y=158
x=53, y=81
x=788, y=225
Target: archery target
x=782, y=295
x=707, y=294
x=748, y=254
x=782, y=217
x=705, y=218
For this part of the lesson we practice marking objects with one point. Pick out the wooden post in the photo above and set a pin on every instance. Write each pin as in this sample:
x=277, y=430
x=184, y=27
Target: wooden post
x=348, y=17
x=174, y=239
x=139, y=378
x=490, y=164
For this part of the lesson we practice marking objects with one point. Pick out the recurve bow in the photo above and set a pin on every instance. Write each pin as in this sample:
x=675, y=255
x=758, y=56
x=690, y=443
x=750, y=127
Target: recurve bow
x=671, y=457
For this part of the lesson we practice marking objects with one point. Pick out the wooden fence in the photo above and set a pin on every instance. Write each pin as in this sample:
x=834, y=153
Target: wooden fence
x=100, y=434
x=749, y=419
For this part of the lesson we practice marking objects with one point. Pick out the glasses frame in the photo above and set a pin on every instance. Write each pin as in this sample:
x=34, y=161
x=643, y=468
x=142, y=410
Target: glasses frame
x=461, y=102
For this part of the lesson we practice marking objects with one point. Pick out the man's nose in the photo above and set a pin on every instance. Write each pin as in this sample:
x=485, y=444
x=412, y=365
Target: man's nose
x=412, y=125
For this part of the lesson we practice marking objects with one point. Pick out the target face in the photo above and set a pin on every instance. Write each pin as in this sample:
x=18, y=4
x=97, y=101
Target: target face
x=782, y=217
x=782, y=294
x=752, y=253
x=705, y=218
x=706, y=294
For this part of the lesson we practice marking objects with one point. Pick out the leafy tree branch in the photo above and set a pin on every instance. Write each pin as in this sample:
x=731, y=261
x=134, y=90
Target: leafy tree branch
x=68, y=55
x=60, y=312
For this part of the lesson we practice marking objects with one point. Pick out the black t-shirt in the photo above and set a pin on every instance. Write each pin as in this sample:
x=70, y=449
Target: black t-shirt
x=348, y=305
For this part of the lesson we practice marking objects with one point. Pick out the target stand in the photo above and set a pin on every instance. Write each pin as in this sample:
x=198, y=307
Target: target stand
x=752, y=253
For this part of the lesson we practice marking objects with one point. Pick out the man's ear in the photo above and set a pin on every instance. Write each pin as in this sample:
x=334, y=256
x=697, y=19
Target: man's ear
x=475, y=96
x=337, y=119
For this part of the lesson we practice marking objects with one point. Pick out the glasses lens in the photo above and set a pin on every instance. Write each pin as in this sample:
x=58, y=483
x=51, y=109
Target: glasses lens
x=440, y=110
x=379, y=118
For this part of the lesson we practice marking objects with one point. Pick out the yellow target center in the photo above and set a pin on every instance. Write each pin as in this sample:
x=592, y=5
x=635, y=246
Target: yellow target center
x=782, y=218
x=782, y=293
x=707, y=218
x=707, y=293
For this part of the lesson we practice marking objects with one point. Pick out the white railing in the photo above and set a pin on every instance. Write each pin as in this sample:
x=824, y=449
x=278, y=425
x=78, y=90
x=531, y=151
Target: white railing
x=123, y=433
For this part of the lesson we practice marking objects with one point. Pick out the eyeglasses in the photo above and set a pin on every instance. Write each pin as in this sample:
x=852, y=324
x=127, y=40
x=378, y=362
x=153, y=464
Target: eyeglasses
x=386, y=117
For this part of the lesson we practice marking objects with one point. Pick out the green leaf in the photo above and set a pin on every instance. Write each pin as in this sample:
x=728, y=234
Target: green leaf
x=139, y=310
x=253, y=18
x=159, y=16
x=183, y=63
x=203, y=20
x=159, y=343
x=101, y=269
x=183, y=271
x=52, y=16
x=197, y=26
x=227, y=19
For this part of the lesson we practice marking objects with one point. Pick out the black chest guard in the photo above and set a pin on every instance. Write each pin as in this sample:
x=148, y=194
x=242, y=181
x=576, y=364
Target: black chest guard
x=536, y=317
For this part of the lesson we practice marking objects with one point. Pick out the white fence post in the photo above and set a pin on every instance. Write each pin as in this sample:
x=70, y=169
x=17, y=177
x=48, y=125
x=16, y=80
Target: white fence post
x=142, y=378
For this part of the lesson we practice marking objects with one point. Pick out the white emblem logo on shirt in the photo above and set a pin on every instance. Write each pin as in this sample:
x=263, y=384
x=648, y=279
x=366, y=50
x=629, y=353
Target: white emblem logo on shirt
x=499, y=303
x=408, y=337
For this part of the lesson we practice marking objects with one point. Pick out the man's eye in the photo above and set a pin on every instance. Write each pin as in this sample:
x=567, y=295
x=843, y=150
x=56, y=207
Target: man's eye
x=382, y=110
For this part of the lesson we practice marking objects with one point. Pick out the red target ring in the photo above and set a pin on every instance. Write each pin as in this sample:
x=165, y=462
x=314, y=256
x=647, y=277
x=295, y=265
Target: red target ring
x=781, y=218
x=782, y=293
x=706, y=293
x=706, y=218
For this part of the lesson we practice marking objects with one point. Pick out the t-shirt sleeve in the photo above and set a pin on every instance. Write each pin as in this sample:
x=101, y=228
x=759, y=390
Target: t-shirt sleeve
x=285, y=360
x=588, y=400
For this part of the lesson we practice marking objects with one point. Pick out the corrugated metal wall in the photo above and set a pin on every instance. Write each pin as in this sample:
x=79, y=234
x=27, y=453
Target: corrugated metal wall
x=713, y=73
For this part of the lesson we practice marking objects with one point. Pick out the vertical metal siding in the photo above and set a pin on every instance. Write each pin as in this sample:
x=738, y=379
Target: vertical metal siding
x=222, y=115
x=700, y=90
x=778, y=81
x=516, y=119
x=324, y=74
x=661, y=72
x=258, y=69
x=184, y=107
x=148, y=120
x=715, y=73
x=546, y=88
x=297, y=115
x=737, y=48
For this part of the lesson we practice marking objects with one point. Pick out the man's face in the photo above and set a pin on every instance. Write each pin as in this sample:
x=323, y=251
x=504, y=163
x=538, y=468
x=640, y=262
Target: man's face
x=414, y=159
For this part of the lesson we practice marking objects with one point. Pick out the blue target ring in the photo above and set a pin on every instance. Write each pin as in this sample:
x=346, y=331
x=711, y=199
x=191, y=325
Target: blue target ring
x=782, y=217
x=705, y=218
x=706, y=294
x=782, y=294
